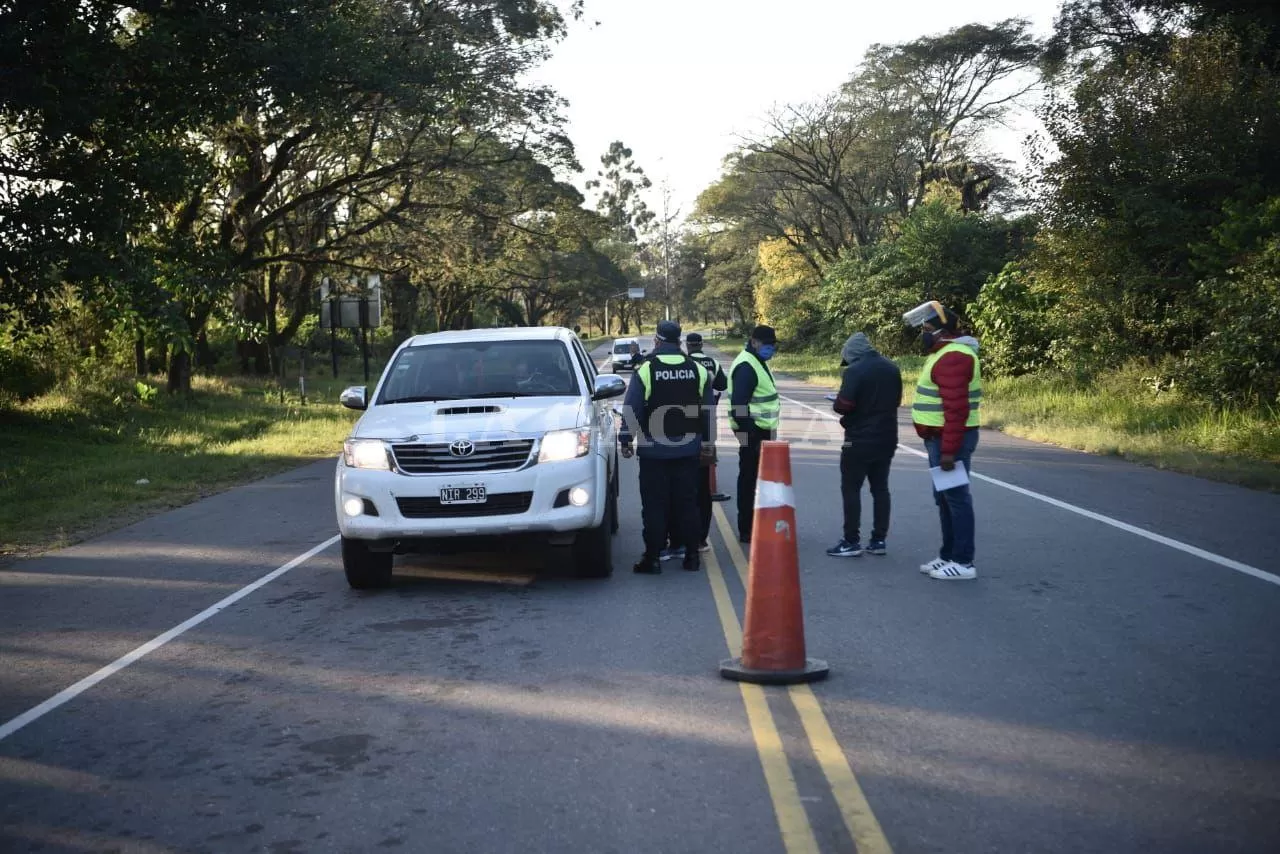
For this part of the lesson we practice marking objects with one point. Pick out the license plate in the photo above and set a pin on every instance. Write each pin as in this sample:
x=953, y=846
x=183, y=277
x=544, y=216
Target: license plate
x=463, y=495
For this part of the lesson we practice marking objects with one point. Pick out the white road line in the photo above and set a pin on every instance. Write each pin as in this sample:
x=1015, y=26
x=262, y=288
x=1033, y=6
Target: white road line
x=1253, y=571
x=68, y=694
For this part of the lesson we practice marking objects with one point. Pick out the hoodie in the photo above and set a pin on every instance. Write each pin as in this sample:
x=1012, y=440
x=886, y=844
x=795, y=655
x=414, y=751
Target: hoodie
x=952, y=374
x=869, y=397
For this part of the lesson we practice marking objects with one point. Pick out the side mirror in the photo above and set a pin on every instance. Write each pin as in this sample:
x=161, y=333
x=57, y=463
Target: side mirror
x=607, y=386
x=354, y=397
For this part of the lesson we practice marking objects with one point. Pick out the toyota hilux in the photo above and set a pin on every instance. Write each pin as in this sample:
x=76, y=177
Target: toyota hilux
x=476, y=434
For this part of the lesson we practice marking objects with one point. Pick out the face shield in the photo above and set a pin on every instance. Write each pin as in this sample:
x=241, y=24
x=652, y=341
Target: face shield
x=930, y=312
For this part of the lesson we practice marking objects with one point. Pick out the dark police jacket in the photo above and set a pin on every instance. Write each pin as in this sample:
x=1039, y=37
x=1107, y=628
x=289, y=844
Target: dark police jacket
x=667, y=410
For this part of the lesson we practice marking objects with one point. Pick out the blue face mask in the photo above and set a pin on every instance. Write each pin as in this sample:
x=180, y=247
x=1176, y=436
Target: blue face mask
x=766, y=352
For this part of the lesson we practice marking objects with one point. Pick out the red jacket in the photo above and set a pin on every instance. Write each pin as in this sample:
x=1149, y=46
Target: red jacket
x=952, y=374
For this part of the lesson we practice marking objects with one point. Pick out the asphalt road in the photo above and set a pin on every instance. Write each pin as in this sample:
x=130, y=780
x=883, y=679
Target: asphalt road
x=1094, y=690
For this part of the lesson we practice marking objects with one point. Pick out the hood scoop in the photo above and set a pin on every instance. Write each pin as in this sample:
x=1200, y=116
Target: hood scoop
x=476, y=409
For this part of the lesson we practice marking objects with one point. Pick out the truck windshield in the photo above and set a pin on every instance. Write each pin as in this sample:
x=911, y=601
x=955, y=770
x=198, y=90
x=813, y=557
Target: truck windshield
x=621, y=348
x=480, y=369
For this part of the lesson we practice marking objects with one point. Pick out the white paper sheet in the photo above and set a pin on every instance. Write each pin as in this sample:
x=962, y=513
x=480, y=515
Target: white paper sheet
x=944, y=480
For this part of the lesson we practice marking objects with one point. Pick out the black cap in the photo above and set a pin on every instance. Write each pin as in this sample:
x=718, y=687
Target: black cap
x=693, y=338
x=668, y=331
x=765, y=335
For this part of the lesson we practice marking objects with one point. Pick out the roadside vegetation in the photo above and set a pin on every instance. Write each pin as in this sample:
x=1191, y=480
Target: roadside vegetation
x=1125, y=413
x=172, y=230
x=82, y=459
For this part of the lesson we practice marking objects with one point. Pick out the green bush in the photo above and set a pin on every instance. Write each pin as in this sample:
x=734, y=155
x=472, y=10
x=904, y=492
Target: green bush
x=22, y=376
x=1014, y=322
x=1238, y=362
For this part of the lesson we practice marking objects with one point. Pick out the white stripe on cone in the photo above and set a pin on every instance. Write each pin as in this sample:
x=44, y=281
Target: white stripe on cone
x=770, y=494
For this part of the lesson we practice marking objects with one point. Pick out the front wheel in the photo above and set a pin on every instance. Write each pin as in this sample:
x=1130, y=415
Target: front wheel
x=365, y=569
x=613, y=499
x=593, y=547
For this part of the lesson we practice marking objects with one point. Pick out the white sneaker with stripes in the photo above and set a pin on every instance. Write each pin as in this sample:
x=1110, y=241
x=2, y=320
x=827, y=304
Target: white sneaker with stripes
x=936, y=563
x=952, y=571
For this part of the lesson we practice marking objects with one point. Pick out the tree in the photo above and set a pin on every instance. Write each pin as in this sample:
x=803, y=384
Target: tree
x=169, y=150
x=842, y=173
x=1153, y=152
x=620, y=182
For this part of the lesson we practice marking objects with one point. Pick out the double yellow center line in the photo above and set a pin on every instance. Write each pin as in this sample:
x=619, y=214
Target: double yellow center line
x=793, y=820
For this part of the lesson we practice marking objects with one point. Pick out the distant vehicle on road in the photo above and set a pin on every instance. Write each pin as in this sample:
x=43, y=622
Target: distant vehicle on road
x=480, y=433
x=621, y=357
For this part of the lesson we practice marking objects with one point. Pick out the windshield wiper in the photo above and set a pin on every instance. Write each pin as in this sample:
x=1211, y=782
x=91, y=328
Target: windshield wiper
x=421, y=398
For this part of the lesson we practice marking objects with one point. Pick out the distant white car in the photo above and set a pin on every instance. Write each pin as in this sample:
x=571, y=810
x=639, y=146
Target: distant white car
x=620, y=359
x=481, y=433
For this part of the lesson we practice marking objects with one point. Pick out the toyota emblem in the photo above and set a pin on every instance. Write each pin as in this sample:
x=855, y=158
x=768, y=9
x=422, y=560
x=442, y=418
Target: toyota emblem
x=462, y=448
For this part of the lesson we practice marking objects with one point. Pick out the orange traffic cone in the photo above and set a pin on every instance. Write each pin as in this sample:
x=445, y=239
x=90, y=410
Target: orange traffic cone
x=773, y=650
x=716, y=494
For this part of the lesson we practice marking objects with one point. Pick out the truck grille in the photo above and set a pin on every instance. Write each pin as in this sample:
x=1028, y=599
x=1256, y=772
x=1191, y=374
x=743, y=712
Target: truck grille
x=436, y=457
x=501, y=504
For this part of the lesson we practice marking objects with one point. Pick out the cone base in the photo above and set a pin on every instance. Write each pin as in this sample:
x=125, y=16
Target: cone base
x=814, y=670
x=720, y=496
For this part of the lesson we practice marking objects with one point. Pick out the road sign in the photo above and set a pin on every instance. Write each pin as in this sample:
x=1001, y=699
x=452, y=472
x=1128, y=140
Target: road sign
x=635, y=293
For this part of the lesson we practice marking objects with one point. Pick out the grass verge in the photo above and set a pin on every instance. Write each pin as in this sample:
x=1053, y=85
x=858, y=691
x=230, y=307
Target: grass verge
x=1118, y=415
x=79, y=461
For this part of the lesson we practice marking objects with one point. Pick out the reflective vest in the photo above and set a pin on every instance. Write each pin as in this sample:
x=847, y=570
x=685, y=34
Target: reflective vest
x=673, y=385
x=764, y=406
x=707, y=362
x=926, y=408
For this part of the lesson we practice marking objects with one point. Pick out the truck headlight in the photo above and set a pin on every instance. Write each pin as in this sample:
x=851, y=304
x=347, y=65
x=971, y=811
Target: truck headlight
x=366, y=454
x=565, y=445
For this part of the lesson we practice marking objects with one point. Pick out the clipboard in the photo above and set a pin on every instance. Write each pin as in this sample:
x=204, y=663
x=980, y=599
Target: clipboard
x=944, y=480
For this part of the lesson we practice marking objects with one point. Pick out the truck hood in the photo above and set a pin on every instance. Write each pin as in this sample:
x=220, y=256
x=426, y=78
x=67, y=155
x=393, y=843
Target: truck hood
x=471, y=419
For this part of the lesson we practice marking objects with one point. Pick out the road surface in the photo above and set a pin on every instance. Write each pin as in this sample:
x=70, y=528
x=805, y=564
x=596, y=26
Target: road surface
x=1108, y=684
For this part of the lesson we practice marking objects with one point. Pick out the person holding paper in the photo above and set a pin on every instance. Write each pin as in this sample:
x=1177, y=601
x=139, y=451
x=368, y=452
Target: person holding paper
x=870, y=394
x=945, y=412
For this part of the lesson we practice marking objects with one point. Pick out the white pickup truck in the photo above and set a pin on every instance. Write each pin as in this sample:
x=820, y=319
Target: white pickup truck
x=480, y=433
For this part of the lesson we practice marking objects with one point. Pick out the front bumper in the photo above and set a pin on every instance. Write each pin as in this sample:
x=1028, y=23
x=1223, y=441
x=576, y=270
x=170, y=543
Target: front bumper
x=545, y=480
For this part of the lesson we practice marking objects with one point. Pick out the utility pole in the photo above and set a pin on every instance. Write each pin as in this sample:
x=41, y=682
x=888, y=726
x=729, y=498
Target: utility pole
x=668, y=216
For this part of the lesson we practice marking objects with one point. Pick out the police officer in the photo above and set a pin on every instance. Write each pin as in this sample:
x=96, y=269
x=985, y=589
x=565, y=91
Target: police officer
x=719, y=383
x=668, y=404
x=753, y=414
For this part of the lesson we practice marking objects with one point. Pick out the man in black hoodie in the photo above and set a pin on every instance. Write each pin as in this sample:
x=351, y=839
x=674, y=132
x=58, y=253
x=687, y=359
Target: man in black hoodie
x=868, y=402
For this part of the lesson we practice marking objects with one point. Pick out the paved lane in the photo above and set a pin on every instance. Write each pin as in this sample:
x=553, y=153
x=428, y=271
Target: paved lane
x=1092, y=691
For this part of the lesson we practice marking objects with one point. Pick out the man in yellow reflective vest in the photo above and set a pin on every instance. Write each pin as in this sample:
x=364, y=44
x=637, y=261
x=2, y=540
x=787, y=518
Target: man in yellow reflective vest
x=754, y=408
x=945, y=412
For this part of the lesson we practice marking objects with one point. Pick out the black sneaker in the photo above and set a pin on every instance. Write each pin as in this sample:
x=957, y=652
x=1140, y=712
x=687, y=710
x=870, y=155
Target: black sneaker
x=844, y=548
x=744, y=538
x=647, y=566
x=877, y=547
x=692, y=563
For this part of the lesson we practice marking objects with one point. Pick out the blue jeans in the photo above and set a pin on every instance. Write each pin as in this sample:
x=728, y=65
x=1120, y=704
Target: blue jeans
x=955, y=506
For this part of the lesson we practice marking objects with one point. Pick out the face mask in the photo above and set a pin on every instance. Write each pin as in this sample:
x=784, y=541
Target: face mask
x=766, y=352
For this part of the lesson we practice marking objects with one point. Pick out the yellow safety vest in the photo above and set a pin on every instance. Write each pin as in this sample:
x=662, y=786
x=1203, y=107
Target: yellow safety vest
x=926, y=408
x=645, y=372
x=764, y=406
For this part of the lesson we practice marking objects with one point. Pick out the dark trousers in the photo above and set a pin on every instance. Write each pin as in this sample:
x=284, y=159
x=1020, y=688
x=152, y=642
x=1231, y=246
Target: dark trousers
x=704, y=501
x=704, y=508
x=668, y=502
x=748, y=473
x=955, y=506
x=857, y=465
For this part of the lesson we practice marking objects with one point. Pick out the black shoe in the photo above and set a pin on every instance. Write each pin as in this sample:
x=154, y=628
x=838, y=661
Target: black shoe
x=692, y=563
x=744, y=538
x=647, y=566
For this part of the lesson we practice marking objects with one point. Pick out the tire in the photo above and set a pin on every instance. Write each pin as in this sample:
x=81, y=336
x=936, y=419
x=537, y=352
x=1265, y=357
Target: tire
x=365, y=569
x=593, y=547
x=613, y=500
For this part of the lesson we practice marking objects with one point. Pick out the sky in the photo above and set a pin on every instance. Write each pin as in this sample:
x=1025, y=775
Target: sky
x=682, y=81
